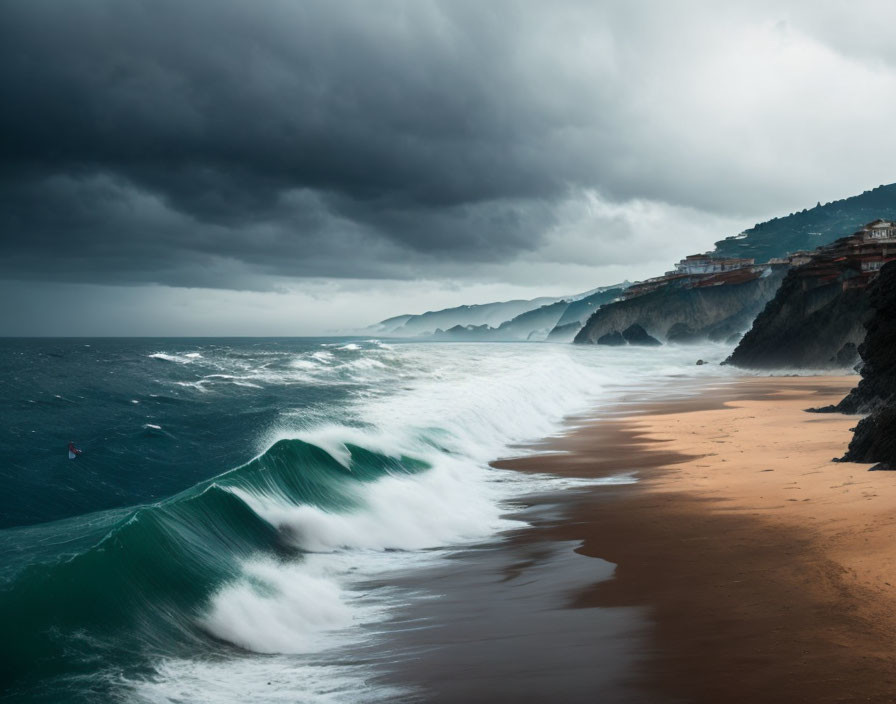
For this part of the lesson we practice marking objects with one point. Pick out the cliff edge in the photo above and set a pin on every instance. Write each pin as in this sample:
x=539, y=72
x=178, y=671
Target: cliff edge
x=712, y=309
x=875, y=435
x=810, y=323
x=817, y=318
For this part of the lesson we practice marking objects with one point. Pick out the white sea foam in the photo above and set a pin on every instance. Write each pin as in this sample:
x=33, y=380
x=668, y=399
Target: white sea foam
x=364, y=363
x=435, y=508
x=300, y=363
x=199, y=385
x=459, y=409
x=179, y=358
x=455, y=407
x=253, y=680
x=246, y=380
x=279, y=608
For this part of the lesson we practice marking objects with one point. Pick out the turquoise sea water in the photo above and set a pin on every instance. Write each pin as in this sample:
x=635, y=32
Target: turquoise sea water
x=233, y=494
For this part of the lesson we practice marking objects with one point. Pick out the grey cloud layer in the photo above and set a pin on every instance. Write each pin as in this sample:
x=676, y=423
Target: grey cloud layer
x=222, y=143
x=144, y=136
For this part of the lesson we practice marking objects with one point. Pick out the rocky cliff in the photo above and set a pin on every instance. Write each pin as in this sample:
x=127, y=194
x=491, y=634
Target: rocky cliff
x=675, y=314
x=810, y=323
x=817, y=318
x=875, y=435
x=877, y=387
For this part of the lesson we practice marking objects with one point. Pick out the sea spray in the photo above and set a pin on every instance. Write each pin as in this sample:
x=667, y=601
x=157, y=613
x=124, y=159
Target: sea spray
x=368, y=458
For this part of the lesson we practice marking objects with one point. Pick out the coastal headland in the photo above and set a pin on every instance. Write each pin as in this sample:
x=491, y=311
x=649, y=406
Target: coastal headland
x=768, y=570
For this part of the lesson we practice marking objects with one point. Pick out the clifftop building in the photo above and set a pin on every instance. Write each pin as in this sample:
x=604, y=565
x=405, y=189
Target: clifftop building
x=878, y=230
x=704, y=264
x=855, y=259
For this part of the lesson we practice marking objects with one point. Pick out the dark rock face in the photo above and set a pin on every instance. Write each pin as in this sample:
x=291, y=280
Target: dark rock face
x=809, y=323
x=686, y=314
x=632, y=335
x=875, y=439
x=614, y=338
x=847, y=355
x=875, y=436
x=636, y=335
x=877, y=388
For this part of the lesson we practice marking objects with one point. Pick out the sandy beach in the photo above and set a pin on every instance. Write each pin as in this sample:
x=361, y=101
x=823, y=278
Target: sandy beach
x=767, y=569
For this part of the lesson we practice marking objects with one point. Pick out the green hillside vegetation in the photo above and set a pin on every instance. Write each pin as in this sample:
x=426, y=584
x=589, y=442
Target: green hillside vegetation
x=812, y=227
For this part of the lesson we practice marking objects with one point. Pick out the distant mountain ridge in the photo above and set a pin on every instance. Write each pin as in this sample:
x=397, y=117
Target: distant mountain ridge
x=490, y=314
x=505, y=320
x=533, y=325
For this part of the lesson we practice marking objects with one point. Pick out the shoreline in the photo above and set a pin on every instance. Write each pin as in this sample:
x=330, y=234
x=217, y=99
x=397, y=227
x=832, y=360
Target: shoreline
x=766, y=569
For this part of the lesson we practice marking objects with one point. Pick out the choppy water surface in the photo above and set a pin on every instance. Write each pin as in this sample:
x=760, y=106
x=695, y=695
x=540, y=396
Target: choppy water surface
x=232, y=495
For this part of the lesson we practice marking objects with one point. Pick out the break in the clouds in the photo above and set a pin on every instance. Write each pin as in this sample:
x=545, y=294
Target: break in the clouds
x=256, y=145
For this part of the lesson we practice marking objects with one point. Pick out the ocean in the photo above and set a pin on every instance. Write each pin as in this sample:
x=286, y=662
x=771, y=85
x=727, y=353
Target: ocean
x=229, y=532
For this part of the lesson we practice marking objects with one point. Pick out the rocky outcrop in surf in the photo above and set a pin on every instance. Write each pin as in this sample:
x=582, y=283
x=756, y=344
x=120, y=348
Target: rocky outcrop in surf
x=636, y=335
x=687, y=307
x=874, y=440
x=817, y=317
x=612, y=339
x=632, y=335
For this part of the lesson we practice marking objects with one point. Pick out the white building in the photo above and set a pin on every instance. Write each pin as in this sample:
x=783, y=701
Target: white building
x=704, y=264
x=879, y=230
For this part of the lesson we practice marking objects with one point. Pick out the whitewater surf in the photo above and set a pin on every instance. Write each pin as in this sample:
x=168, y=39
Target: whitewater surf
x=242, y=494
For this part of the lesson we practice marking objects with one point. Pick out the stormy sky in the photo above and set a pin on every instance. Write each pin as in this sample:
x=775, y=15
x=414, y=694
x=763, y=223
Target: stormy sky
x=290, y=167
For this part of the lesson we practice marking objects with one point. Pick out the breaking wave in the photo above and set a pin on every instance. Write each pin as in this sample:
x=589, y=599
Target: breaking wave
x=265, y=557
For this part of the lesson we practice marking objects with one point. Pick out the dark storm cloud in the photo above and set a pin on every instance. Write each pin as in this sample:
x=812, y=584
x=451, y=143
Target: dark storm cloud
x=148, y=135
x=223, y=143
